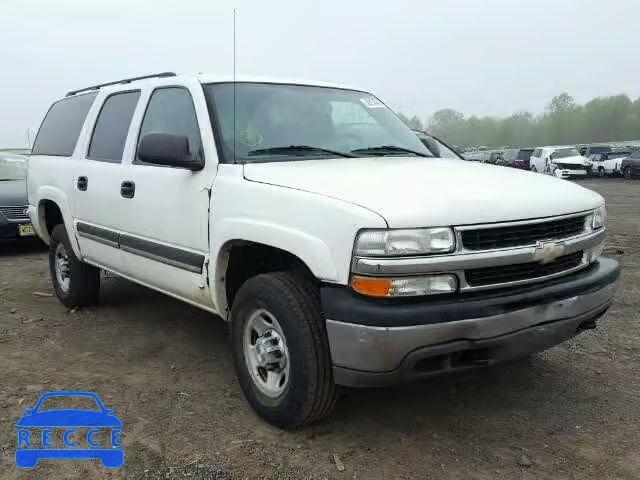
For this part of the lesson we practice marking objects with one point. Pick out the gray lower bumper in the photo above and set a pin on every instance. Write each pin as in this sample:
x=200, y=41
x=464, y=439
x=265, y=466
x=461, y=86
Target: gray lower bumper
x=365, y=355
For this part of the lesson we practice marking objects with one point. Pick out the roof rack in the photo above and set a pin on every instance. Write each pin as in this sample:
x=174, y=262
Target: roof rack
x=124, y=80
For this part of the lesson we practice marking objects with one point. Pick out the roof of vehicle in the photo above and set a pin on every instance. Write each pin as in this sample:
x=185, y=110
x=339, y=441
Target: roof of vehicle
x=210, y=78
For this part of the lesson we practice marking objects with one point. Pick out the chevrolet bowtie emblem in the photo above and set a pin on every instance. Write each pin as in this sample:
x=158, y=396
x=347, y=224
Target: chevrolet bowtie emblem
x=547, y=252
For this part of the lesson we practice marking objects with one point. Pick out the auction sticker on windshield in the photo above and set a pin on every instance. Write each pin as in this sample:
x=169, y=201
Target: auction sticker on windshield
x=371, y=102
x=48, y=431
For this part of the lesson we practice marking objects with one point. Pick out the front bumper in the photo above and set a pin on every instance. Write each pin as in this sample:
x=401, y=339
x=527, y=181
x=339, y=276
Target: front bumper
x=564, y=173
x=9, y=231
x=382, y=342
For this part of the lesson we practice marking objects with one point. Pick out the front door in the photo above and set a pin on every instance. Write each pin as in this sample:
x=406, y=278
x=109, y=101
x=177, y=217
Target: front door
x=164, y=227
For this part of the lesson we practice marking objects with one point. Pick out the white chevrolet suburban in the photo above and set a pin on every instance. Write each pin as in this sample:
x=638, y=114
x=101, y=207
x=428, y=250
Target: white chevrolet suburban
x=307, y=215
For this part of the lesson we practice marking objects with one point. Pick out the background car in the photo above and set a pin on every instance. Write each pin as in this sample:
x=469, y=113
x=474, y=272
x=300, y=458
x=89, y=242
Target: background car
x=605, y=163
x=560, y=161
x=494, y=157
x=630, y=166
x=14, y=221
x=516, y=158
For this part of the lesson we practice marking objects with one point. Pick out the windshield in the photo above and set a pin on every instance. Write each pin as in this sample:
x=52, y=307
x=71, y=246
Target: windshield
x=12, y=168
x=565, y=153
x=279, y=122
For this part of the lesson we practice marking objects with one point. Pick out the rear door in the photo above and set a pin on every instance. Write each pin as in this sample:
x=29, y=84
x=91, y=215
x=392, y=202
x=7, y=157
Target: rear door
x=98, y=204
x=164, y=224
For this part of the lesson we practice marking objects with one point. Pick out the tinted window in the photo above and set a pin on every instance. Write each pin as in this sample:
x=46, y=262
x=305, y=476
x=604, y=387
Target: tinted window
x=170, y=110
x=112, y=126
x=61, y=126
x=524, y=154
x=598, y=149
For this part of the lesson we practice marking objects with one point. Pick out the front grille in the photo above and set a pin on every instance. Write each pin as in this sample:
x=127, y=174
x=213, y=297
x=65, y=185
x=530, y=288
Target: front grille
x=522, y=271
x=570, y=166
x=521, y=235
x=14, y=213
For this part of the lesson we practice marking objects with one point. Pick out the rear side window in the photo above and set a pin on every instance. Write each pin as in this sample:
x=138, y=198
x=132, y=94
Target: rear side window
x=524, y=154
x=112, y=127
x=61, y=126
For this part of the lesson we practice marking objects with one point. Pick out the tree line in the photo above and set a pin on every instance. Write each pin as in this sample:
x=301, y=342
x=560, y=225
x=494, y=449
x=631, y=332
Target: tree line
x=564, y=122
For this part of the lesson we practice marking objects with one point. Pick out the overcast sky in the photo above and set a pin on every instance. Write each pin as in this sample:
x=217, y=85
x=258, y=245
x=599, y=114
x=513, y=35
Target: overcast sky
x=490, y=57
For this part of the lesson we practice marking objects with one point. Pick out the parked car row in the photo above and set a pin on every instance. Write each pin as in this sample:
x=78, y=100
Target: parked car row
x=566, y=161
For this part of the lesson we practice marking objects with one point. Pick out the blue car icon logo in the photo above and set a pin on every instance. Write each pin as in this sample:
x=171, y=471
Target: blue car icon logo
x=33, y=445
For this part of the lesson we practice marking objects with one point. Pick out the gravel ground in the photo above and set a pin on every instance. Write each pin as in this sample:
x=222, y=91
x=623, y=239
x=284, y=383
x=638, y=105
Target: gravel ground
x=570, y=412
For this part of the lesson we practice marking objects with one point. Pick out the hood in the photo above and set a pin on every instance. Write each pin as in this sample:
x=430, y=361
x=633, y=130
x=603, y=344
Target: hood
x=577, y=160
x=412, y=192
x=69, y=418
x=13, y=193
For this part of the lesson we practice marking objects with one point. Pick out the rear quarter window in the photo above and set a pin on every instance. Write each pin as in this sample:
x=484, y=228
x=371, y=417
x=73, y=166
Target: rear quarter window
x=61, y=126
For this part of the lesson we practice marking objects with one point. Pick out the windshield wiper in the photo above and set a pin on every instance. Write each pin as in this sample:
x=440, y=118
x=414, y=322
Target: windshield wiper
x=381, y=150
x=297, y=150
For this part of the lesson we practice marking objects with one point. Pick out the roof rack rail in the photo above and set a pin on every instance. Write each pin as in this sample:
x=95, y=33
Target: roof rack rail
x=124, y=80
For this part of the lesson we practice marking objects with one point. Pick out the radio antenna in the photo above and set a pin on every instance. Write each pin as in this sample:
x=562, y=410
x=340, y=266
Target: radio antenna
x=234, y=85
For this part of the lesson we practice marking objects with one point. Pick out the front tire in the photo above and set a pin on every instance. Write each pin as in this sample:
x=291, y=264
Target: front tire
x=533, y=169
x=627, y=173
x=76, y=283
x=601, y=172
x=280, y=349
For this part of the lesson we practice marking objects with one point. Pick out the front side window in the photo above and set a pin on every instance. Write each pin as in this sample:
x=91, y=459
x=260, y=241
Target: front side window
x=171, y=111
x=112, y=127
x=61, y=126
x=280, y=122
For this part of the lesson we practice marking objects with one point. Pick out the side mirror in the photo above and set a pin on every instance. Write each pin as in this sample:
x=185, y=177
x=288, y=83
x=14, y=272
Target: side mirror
x=109, y=411
x=28, y=410
x=168, y=150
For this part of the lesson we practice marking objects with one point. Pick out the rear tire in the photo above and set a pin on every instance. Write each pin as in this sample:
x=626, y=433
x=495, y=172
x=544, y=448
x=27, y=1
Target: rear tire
x=76, y=283
x=533, y=169
x=292, y=303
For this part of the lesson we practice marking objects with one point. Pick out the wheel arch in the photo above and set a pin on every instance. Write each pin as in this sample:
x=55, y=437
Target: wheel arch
x=239, y=259
x=52, y=209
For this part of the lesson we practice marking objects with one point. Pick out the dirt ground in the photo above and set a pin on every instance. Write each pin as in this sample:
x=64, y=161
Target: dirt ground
x=571, y=412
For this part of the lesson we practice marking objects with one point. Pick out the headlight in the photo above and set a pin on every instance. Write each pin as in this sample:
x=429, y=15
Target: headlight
x=599, y=218
x=405, y=286
x=419, y=241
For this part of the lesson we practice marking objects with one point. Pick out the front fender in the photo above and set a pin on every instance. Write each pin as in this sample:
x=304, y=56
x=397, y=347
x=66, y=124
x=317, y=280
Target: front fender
x=311, y=250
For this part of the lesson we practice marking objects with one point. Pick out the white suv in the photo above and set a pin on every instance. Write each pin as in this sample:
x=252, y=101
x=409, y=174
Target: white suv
x=341, y=251
x=561, y=162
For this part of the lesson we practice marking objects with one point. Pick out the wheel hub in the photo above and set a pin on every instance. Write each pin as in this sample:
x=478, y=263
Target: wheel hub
x=62, y=266
x=265, y=353
x=268, y=351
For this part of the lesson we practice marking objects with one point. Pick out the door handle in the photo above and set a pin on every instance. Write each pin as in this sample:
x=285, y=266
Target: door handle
x=82, y=183
x=127, y=189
